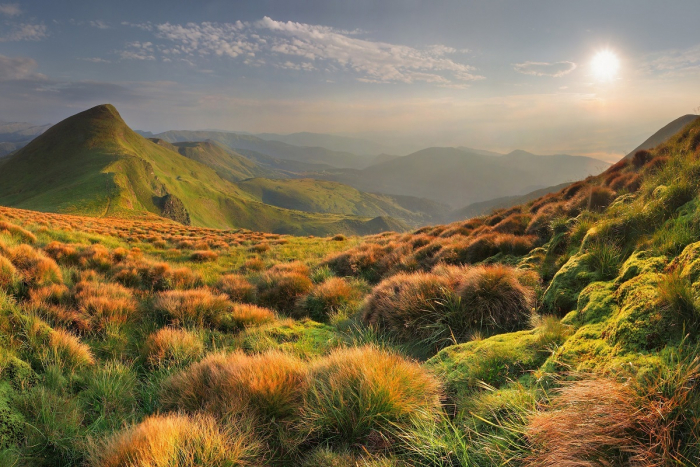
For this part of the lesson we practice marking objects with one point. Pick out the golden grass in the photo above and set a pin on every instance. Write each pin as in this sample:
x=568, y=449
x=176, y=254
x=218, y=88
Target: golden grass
x=197, y=307
x=272, y=385
x=175, y=440
x=237, y=287
x=172, y=346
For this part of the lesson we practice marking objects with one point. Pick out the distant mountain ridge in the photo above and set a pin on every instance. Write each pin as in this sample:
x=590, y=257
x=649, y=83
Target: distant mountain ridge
x=457, y=178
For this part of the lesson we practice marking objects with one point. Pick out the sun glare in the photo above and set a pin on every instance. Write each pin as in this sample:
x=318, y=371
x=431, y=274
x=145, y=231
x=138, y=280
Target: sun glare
x=605, y=65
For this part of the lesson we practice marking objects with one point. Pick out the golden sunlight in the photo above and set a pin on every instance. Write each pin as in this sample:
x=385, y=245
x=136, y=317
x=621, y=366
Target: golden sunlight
x=605, y=65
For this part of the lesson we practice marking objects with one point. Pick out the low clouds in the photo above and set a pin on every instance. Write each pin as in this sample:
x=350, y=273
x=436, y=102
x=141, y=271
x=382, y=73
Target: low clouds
x=138, y=51
x=10, y=9
x=555, y=70
x=675, y=62
x=25, y=32
x=305, y=47
x=13, y=68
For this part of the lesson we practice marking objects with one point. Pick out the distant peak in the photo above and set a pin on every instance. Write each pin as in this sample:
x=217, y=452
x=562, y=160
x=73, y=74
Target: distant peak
x=519, y=152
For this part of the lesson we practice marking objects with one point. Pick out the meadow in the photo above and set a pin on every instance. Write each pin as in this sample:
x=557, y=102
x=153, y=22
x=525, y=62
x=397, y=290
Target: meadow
x=562, y=332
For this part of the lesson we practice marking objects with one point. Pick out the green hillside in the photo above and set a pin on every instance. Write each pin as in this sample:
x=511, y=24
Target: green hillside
x=311, y=195
x=228, y=164
x=94, y=164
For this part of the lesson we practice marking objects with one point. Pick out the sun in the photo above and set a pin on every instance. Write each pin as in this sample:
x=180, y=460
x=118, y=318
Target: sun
x=605, y=65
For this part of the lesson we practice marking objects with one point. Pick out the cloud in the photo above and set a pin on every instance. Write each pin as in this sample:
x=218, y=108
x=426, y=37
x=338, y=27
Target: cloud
x=14, y=68
x=674, y=62
x=94, y=60
x=138, y=51
x=555, y=70
x=10, y=9
x=301, y=46
x=25, y=32
x=100, y=24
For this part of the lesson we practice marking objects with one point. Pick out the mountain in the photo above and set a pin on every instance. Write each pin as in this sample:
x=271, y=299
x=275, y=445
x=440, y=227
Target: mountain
x=92, y=163
x=15, y=135
x=332, y=142
x=311, y=195
x=486, y=207
x=455, y=177
x=228, y=164
x=276, y=149
x=664, y=134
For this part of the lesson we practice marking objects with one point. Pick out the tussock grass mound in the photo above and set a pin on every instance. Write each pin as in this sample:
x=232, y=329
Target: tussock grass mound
x=172, y=347
x=270, y=385
x=367, y=396
x=451, y=304
x=175, y=440
x=198, y=307
x=326, y=298
x=280, y=289
x=237, y=287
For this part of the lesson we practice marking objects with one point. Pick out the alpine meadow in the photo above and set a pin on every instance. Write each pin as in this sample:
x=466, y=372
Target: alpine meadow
x=329, y=234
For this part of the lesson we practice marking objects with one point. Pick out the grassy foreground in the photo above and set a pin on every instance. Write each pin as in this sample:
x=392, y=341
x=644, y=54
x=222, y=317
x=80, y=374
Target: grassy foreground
x=562, y=332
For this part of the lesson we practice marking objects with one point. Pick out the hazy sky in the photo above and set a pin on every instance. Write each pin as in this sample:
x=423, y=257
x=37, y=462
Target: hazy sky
x=488, y=74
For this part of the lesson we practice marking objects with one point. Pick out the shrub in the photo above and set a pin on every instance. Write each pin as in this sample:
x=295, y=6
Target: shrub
x=172, y=347
x=366, y=396
x=641, y=158
x=175, y=440
x=203, y=256
x=237, y=288
x=197, y=307
x=589, y=422
x=281, y=290
x=326, y=298
x=339, y=238
x=271, y=385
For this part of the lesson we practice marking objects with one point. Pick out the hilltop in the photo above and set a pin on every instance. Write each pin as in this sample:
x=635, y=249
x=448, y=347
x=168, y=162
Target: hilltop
x=93, y=163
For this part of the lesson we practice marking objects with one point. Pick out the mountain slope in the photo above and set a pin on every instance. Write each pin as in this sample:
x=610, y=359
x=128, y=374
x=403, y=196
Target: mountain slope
x=332, y=142
x=311, y=195
x=455, y=177
x=664, y=134
x=276, y=149
x=94, y=164
x=228, y=164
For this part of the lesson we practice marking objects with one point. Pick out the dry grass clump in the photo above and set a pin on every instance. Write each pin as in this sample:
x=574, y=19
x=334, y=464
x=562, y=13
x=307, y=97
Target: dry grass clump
x=339, y=238
x=296, y=267
x=364, y=395
x=54, y=294
x=327, y=298
x=253, y=264
x=514, y=224
x=243, y=315
x=104, y=304
x=67, y=349
x=197, y=307
x=237, y=287
x=404, y=304
x=280, y=290
x=171, y=346
x=592, y=422
x=17, y=231
x=451, y=304
x=36, y=269
x=184, y=278
x=494, y=298
x=203, y=256
x=9, y=276
x=260, y=248
x=271, y=385
x=367, y=261
x=175, y=440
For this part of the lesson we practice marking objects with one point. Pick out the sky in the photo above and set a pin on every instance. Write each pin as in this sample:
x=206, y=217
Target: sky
x=496, y=74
